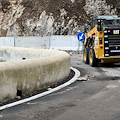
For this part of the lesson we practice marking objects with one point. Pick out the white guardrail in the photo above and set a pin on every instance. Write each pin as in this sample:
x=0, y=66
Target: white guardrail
x=69, y=42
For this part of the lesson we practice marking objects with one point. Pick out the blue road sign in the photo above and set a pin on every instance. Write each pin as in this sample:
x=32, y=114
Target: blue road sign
x=81, y=36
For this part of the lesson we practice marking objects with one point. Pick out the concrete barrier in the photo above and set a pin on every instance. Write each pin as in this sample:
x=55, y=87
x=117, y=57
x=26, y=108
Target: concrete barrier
x=57, y=42
x=33, y=42
x=65, y=43
x=27, y=70
x=7, y=41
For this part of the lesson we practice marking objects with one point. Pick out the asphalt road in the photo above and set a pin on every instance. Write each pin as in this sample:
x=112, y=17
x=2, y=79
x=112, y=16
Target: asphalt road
x=98, y=98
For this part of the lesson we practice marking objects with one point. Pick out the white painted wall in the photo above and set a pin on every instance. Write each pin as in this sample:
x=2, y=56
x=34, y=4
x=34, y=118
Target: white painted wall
x=69, y=42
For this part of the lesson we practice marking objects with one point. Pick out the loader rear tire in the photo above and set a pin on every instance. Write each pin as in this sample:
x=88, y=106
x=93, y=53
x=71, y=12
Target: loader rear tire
x=86, y=55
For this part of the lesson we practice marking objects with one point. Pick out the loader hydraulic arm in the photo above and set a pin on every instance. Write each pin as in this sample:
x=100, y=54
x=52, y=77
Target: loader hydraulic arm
x=88, y=36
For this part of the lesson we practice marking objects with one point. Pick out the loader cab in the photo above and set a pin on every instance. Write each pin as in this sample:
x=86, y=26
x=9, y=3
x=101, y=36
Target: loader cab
x=105, y=21
x=108, y=21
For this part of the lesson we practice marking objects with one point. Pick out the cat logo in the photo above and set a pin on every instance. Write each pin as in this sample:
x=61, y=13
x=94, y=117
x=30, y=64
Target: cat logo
x=116, y=31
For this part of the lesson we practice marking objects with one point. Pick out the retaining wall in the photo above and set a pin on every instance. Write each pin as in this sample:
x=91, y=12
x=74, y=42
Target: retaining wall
x=39, y=69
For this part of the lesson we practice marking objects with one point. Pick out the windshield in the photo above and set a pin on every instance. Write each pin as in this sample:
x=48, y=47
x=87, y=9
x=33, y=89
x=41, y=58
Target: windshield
x=110, y=22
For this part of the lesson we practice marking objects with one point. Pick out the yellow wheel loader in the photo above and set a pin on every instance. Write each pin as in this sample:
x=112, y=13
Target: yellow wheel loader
x=102, y=42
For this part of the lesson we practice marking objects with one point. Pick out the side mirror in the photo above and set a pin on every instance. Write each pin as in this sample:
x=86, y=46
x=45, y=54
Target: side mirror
x=85, y=28
x=99, y=27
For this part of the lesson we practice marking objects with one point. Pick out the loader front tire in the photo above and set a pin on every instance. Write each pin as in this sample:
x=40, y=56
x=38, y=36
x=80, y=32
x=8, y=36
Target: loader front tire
x=93, y=61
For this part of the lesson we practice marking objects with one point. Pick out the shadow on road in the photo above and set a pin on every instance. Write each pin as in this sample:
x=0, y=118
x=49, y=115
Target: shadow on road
x=109, y=65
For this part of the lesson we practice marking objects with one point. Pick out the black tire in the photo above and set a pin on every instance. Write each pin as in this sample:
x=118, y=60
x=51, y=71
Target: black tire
x=93, y=61
x=86, y=55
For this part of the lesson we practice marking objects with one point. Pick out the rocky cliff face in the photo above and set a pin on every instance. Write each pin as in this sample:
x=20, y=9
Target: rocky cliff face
x=50, y=17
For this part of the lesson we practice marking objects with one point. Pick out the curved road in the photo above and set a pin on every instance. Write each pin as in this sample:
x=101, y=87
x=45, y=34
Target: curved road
x=98, y=98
